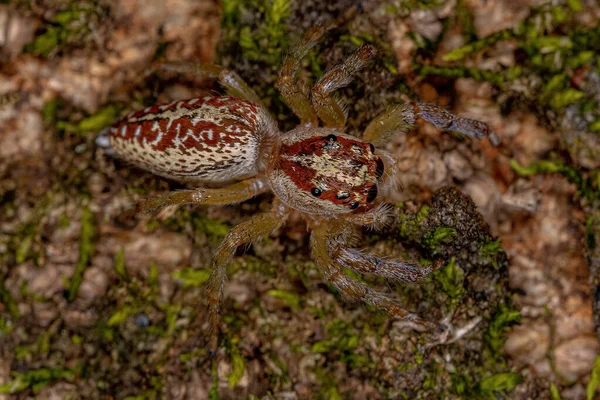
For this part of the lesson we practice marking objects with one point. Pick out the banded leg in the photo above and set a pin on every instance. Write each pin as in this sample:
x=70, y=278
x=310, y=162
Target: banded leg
x=329, y=109
x=327, y=245
x=286, y=82
x=230, y=80
x=402, y=117
x=234, y=193
x=246, y=232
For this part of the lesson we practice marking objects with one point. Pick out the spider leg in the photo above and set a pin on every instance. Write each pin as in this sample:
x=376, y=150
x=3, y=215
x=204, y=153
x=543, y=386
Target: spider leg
x=286, y=82
x=327, y=244
x=230, y=80
x=389, y=269
x=328, y=108
x=244, y=233
x=402, y=117
x=234, y=193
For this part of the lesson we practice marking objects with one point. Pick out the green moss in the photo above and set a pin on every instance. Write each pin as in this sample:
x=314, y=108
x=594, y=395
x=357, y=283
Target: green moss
x=555, y=393
x=238, y=365
x=120, y=316
x=567, y=97
x=37, y=379
x=120, y=268
x=490, y=387
x=49, y=111
x=86, y=249
x=214, y=229
x=441, y=235
x=594, y=382
x=7, y=302
x=490, y=251
x=478, y=45
x=260, y=42
x=289, y=298
x=410, y=225
x=341, y=344
x=190, y=277
x=451, y=279
x=94, y=123
x=588, y=185
x=495, y=335
x=497, y=78
x=500, y=382
x=69, y=26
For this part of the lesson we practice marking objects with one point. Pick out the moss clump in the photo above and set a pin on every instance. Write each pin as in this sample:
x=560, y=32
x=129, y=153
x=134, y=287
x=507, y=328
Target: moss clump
x=495, y=335
x=261, y=42
x=451, y=279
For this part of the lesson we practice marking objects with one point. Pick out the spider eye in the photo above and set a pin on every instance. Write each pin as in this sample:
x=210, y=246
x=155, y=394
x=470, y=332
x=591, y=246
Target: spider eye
x=343, y=196
x=331, y=138
x=353, y=204
x=380, y=168
x=372, y=148
x=372, y=194
x=316, y=191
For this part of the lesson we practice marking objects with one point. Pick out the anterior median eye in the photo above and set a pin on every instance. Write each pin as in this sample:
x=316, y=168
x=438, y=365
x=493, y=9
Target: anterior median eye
x=372, y=194
x=380, y=168
x=316, y=191
x=331, y=138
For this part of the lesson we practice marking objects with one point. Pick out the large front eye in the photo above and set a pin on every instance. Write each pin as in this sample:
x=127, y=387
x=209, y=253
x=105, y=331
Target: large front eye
x=316, y=192
x=372, y=194
x=380, y=169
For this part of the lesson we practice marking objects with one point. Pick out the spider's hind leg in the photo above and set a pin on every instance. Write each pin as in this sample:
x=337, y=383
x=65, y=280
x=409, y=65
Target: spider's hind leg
x=244, y=233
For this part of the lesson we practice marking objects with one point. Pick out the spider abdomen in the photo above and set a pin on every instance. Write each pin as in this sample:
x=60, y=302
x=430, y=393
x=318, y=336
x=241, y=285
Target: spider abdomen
x=209, y=139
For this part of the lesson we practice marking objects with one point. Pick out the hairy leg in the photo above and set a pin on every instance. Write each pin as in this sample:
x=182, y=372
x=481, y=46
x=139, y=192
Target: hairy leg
x=246, y=232
x=286, y=83
x=327, y=107
x=402, y=117
x=234, y=193
x=327, y=246
x=230, y=80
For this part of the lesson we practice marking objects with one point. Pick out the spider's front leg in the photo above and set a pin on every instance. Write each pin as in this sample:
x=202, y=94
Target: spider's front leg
x=245, y=233
x=286, y=83
x=328, y=108
x=402, y=117
x=327, y=243
x=235, y=193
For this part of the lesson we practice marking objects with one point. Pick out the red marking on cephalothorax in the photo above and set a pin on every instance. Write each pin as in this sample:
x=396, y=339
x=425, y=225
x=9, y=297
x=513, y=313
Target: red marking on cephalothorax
x=344, y=169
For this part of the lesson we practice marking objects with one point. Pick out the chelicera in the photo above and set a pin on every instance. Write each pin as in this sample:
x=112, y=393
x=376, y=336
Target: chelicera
x=334, y=180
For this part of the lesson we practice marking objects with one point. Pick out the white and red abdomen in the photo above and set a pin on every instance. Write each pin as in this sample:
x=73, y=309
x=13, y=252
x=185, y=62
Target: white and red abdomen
x=210, y=139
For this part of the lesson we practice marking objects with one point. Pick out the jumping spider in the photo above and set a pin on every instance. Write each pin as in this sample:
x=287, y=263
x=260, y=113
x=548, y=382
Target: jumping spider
x=334, y=180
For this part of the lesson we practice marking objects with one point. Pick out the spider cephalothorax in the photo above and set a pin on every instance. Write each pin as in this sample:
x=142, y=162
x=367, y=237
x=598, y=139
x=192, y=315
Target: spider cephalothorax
x=336, y=181
x=319, y=170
